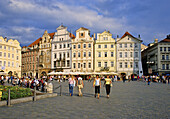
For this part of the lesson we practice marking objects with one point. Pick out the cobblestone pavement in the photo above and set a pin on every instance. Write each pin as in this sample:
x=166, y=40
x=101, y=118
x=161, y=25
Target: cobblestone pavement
x=130, y=100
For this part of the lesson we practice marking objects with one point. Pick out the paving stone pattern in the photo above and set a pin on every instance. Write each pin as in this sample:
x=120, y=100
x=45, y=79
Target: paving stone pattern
x=130, y=100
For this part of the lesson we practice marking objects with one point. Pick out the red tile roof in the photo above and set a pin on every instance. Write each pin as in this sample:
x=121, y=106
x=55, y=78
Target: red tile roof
x=127, y=34
x=35, y=42
x=71, y=35
x=165, y=40
x=51, y=35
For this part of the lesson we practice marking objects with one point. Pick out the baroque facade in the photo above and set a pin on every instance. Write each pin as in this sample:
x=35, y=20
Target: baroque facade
x=61, y=59
x=105, y=52
x=156, y=58
x=10, y=56
x=83, y=51
x=129, y=55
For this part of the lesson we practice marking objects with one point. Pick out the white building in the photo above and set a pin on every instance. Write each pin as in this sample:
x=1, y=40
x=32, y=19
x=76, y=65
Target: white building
x=129, y=55
x=61, y=56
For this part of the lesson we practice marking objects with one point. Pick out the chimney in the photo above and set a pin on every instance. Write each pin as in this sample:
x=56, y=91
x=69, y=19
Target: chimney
x=94, y=36
x=117, y=36
x=139, y=36
x=156, y=41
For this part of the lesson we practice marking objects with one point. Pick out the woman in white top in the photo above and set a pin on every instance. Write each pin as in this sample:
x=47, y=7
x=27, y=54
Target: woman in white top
x=97, y=84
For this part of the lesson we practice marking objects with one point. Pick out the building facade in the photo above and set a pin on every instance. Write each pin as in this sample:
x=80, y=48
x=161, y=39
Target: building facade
x=10, y=56
x=129, y=55
x=105, y=53
x=30, y=59
x=61, y=58
x=83, y=51
x=156, y=58
x=44, y=66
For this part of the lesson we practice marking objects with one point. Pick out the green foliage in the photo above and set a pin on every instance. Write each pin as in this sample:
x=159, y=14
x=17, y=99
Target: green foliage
x=16, y=92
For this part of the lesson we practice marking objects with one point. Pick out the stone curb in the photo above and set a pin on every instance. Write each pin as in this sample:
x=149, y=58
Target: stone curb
x=27, y=99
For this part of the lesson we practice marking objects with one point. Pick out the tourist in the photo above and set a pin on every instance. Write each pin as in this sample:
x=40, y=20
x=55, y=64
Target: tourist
x=108, y=84
x=124, y=78
x=97, y=84
x=149, y=80
x=80, y=85
x=71, y=84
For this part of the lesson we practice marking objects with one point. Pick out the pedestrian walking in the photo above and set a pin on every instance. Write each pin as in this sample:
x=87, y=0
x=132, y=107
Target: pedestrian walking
x=149, y=80
x=97, y=85
x=108, y=84
x=71, y=81
x=80, y=85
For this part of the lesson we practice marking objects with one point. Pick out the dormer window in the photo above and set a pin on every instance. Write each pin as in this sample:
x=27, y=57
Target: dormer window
x=81, y=34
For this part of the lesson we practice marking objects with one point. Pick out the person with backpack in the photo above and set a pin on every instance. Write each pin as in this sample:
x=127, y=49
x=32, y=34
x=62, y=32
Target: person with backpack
x=80, y=85
x=97, y=84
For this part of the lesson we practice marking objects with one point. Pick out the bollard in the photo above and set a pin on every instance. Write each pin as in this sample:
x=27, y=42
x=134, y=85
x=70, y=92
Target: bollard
x=34, y=93
x=9, y=98
x=60, y=89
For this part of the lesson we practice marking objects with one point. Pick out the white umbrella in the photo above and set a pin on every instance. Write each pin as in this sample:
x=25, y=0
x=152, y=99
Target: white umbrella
x=51, y=73
x=2, y=73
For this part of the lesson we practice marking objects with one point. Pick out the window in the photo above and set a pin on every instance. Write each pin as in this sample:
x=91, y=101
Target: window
x=12, y=49
x=62, y=39
x=111, y=45
x=163, y=66
x=1, y=54
x=89, y=65
x=89, y=45
x=126, y=64
x=168, y=48
x=125, y=45
x=8, y=55
x=131, y=54
x=8, y=64
x=82, y=34
x=84, y=46
x=136, y=64
x=8, y=48
x=84, y=54
x=74, y=65
x=0, y=46
x=74, y=46
x=112, y=64
x=64, y=55
x=163, y=57
x=99, y=46
x=131, y=45
x=84, y=65
x=12, y=64
x=167, y=57
x=5, y=47
x=167, y=66
x=78, y=65
x=120, y=45
x=68, y=63
x=17, y=51
x=55, y=55
x=68, y=45
x=120, y=64
x=120, y=54
x=131, y=64
x=78, y=54
x=74, y=54
x=17, y=57
x=4, y=63
x=103, y=38
x=99, y=54
x=99, y=64
x=136, y=54
x=89, y=54
x=125, y=54
x=105, y=46
x=12, y=55
x=105, y=54
x=78, y=45
x=164, y=48
x=136, y=45
x=60, y=46
x=64, y=46
x=160, y=48
x=112, y=54
x=105, y=64
x=55, y=47
x=68, y=55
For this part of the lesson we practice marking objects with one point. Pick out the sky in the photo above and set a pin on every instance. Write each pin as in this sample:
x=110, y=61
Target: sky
x=26, y=20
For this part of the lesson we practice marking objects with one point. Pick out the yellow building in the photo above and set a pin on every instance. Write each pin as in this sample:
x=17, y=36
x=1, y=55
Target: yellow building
x=105, y=53
x=10, y=56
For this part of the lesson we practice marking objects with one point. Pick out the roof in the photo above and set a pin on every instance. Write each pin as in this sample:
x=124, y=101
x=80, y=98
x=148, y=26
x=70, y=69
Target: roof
x=71, y=35
x=82, y=28
x=128, y=34
x=35, y=42
x=51, y=35
x=165, y=40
